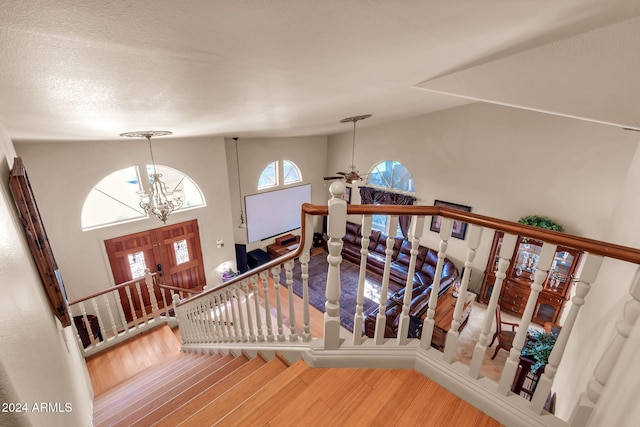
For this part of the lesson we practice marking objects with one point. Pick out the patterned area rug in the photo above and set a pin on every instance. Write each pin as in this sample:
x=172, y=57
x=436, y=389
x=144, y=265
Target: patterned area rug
x=349, y=272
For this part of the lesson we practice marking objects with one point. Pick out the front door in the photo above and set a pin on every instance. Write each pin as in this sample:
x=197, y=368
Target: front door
x=173, y=251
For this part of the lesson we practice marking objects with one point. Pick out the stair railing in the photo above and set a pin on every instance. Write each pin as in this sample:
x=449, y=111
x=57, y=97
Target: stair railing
x=238, y=314
x=112, y=315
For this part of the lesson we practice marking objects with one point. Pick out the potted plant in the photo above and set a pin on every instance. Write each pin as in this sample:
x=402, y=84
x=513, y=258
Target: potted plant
x=542, y=222
x=538, y=348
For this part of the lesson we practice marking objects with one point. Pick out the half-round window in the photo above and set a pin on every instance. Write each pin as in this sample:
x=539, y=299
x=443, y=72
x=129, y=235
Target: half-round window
x=270, y=176
x=114, y=199
x=391, y=175
x=291, y=172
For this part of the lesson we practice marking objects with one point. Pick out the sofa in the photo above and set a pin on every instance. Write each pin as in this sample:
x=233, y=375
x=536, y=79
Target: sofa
x=426, y=261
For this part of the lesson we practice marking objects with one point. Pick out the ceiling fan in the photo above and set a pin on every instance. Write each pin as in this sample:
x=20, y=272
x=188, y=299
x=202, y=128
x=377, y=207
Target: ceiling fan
x=351, y=175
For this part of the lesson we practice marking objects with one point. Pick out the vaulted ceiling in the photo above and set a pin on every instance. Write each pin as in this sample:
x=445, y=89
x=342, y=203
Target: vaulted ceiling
x=72, y=69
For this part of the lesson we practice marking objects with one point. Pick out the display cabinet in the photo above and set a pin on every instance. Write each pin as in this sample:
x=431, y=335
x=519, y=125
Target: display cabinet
x=519, y=277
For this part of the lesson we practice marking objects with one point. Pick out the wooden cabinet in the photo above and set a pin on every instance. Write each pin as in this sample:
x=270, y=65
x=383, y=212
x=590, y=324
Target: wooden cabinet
x=519, y=277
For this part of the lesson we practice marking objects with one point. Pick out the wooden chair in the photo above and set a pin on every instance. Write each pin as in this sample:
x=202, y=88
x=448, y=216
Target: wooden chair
x=505, y=337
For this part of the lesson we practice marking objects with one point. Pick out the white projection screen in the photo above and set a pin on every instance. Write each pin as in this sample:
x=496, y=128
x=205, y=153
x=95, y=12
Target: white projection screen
x=275, y=212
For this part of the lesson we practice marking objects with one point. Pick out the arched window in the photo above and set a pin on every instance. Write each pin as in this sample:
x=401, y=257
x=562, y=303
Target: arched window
x=391, y=175
x=114, y=199
x=270, y=176
x=291, y=172
x=390, y=182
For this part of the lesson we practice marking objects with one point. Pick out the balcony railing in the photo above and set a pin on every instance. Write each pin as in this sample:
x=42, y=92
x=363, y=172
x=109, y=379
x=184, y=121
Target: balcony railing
x=122, y=311
x=242, y=315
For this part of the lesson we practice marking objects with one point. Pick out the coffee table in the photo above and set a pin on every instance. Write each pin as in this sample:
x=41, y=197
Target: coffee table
x=444, y=316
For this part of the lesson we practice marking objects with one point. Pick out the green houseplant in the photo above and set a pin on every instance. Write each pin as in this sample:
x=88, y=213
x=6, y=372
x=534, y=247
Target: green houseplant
x=538, y=347
x=542, y=222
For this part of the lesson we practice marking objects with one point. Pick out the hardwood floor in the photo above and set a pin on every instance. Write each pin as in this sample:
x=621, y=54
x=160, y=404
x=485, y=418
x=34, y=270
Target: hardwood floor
x=123, y=361
x=298, y=395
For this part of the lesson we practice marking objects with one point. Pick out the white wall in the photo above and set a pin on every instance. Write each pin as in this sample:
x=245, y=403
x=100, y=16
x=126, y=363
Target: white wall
x=63, y=174
x=309, y=153
x=502, y=162
x=39, y=360
x=597, y=321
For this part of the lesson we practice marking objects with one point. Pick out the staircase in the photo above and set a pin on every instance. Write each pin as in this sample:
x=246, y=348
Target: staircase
x=226, y=390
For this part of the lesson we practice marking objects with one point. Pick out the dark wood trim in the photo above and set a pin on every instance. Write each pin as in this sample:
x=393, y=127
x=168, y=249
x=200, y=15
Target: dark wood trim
x=38, y=241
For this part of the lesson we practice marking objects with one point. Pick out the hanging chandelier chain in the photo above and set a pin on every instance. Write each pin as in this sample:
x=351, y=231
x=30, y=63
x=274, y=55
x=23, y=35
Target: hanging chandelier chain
x=153, y=162
x=157, y=200
x=352, y=174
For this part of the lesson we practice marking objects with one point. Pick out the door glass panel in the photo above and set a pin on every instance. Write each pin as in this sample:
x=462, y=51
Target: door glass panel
x=182, y=251
x=136, y=264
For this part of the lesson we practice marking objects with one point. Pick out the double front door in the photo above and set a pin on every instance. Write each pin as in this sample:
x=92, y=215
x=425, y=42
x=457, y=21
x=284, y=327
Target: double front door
x=173, y=251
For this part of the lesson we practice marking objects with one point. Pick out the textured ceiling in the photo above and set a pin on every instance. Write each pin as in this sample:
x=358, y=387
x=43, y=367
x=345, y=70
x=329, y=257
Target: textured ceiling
x=91, y=70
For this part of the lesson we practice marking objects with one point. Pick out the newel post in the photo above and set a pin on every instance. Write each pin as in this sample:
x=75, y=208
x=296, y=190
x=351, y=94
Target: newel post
x=336, y=229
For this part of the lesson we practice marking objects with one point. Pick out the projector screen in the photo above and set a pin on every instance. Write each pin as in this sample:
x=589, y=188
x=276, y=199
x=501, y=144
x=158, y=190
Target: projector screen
x=275, y=212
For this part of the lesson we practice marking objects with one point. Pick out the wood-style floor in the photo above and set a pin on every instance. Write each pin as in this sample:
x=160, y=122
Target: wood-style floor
x=336, y=396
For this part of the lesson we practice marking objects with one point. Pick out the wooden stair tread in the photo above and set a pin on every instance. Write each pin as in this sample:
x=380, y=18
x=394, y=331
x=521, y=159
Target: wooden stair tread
x=242, y=367
x=210, y=413
x=134, y=391
x=148, y=375
x=162, y=396
x=283, y=387
x=116, y=364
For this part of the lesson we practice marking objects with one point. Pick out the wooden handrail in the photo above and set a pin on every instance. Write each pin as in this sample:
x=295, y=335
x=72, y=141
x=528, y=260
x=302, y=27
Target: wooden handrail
x=597, y=247
x=585, y=244
x=116, y=287
x=176, y=289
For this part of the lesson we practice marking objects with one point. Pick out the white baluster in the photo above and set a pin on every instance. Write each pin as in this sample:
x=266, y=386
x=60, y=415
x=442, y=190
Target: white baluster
x=87, y=325
x=103, y=332
x=238, y=298
x=264, y=277
x=107, y=304
x=288, y=269
x=275, y=274
x=227, y=318
x=165, y=308
x=254, y=283
x=547, y=254
x=181, y=322
x=381, y=318
x=211, y=326
x=304, y=276
x=234, y=315
x=506, y=251
x=587, y=275
x=148, y=279
x=120, y=308
x=358, y=318
x=219, y=321
x=143, y=309
x=247, y=302
x=206, y=319
x=602, y=372
x=417, y=227
x=475, y=233
x=446, y=225
x=134, y=315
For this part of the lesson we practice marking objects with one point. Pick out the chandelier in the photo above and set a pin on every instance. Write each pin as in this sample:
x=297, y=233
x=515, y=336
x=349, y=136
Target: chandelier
x=157, y=200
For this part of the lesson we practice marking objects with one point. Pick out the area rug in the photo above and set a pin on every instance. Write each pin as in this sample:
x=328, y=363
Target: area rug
x=349, y=272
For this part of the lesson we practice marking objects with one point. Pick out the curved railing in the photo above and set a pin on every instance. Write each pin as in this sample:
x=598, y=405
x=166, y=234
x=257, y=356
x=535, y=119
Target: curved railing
x=254, y=312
